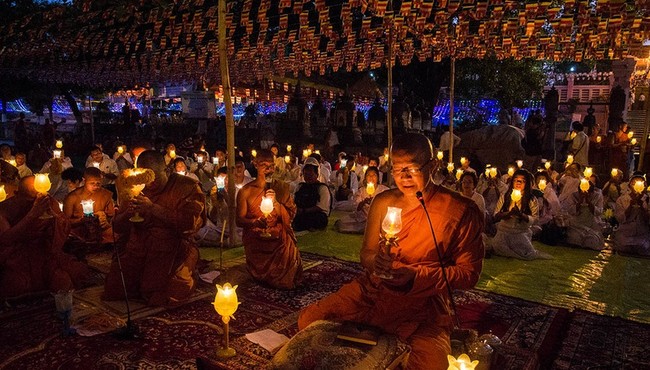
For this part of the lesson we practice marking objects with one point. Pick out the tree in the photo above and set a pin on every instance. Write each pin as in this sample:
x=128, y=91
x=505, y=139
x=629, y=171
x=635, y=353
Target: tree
x=509, y=81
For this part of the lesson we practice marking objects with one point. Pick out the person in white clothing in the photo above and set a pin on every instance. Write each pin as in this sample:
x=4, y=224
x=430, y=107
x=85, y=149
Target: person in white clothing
x=580, y=145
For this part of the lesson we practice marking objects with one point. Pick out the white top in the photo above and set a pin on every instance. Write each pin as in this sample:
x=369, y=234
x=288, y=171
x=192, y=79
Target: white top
x=445, y=139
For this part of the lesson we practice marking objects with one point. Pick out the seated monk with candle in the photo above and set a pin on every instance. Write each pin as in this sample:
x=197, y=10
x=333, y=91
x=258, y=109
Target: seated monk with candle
x=31, y=247
x=272, y=258
x=159, y=255
x=97, y=227
x=414, y=304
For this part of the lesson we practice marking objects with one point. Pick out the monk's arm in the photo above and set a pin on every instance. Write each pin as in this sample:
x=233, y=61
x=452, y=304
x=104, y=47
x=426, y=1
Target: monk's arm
x=288, y=208
x=466, y=260
x=242, y=209
x=187, y=217
x=68, y=209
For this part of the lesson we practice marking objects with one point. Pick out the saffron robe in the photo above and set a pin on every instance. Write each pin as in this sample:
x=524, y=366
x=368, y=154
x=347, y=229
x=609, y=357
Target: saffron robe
x=103, y=203
x=160, y=255
x=31, y=255
x=418, y=313
x=275, y=260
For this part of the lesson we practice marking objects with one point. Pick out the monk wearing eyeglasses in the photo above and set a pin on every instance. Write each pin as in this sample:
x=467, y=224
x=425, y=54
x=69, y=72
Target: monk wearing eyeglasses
x=414, y=304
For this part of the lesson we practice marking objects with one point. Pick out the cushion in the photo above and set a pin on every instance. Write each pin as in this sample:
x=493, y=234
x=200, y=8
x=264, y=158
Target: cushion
x=316, y=347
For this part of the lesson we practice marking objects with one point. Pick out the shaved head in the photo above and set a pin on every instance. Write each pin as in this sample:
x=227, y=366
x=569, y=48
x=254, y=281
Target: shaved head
x=153, y=160
x=413, y=144
x=26, y=186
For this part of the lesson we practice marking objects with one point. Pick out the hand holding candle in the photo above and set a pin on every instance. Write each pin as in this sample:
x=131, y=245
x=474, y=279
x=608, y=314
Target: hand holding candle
x=569, y=158
x=87, y=206
x=542, y=184
x=584, y=185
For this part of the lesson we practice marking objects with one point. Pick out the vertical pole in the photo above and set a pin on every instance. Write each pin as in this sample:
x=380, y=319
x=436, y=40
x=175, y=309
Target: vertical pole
x=452, y=79
x=230, y=123
x=389, y=119
x=92, y=121
x=644, y=138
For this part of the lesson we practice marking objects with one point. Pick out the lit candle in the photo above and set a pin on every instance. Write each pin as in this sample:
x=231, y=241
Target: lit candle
x=614, y=172
x=253, y=153
x=120, y=149
x=547, y=165
x=370, y=188
x=289, y=148
x=172, y=154
x=87, y=206
x=450, y=167
x=573, y=135
x=440, y=155
x=463, y=160
x=287, y=159
x=266, y=206
x=487, y=172
x=569, y=158
x=459, y=173
x=344, y=162
x=542, y=184
x=588, y=172
x=215, y=161
x=181, y=173
x=633, y=142
x=61, y=206
x=365, y=168
x=630, y=134
x=584, y=185
x=59, y=144
x=12, y=162
x=493, y=172
x=511, y=171
x=308, y=152
x=42, y=183
x=221, y=182
x=392, y=223
x=520, y=163
x=639, y=186
x=599, y=139
x=317, y=151
x=386, y=157
x=96, y=164
x=56, y=154
x=225, y=301
x=305, y=153
x=3, y=193
x=199, y=159
x=515, y=196
x=463, y=362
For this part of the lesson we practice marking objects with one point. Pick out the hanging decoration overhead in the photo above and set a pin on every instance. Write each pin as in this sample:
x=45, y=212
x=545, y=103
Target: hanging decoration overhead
x=152, y=41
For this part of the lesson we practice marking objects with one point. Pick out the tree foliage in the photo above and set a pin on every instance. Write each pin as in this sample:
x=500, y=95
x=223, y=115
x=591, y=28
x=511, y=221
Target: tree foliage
x=509, y=81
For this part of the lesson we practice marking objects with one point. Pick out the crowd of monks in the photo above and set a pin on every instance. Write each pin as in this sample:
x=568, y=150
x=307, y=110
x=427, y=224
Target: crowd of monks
x=182, y=202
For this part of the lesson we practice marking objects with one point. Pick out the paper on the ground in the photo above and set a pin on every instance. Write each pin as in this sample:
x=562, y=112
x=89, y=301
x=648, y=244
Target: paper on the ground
x=268, y=339
x=209, y=277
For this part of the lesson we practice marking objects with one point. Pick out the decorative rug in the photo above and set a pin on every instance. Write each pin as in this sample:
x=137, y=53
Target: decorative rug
x=599, y=342
x=173, y=339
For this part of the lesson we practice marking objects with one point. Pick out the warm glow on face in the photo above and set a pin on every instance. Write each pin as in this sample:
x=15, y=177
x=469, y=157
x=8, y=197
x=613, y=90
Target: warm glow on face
x=392, y=223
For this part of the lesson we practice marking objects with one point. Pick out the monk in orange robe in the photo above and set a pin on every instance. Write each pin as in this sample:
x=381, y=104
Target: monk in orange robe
x=273, y=259
x=83, y=227
x=160, y=254
x=31, y=248
x=414, y=304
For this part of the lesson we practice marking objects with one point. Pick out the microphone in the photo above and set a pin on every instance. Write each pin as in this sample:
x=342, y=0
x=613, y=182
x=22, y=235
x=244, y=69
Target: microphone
x=442, y=265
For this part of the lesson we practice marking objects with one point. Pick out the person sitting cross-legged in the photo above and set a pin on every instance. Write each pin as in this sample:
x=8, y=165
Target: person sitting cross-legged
x=313, y=199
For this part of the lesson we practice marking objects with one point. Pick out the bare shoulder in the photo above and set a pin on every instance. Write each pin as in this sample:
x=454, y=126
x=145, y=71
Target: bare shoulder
x=388, y=196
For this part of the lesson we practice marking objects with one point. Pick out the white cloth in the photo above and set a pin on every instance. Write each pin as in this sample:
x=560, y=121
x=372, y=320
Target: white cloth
x=445, y=141
x=580, y=149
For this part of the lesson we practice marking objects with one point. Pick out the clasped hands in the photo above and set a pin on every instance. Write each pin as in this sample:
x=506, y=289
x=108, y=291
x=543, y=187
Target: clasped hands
x=140, y=204
x=516, y=212
x=388, y=263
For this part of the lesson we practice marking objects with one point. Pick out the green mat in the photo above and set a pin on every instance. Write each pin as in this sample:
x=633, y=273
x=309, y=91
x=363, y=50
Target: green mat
x=600, y=282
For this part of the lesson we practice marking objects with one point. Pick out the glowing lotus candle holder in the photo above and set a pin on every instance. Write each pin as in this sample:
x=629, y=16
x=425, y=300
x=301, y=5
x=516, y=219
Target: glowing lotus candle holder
x=221, y=182
x=56, y=154
x=215, y=161
x=493, y=172
x=547, y=165
x=630, y=134
x=266, y=207
x=391, y=226
x=136, y=189
x=487, y=172
x=515, y=196
x=573, y=135
x=344, y=162
x=96, y=164
x=120, y=149
x=88, y=207
x=614, y=172
x=569, y=158
x=463, y=362
x=12, y=162
x=309, y=151
x=542, y=184
x=172, y=154
x=459, y=173
x=365, y=168
x=287, y=159
x=450, y=167
x=305, y=153
x=199, y=159
x=463, y=160
x=588, y=172
x=511, y=171
x=386, y=157
x=520, y=163
x=584, y=185
x=254, y=153
x=42, y=185
x=370, y=188
x=633, y=141
x=3, y=193
x=440, y=155
x=225, y=303
x=59, y=144
x=289, y=148
x=317, y=151
x=639, y=186
x=599, y=139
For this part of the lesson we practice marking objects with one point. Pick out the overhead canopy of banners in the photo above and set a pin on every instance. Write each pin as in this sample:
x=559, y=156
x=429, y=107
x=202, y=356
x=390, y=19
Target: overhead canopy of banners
x=152, y=41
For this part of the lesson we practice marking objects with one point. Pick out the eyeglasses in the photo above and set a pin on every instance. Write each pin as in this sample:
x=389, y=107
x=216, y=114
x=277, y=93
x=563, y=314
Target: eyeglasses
x=413, y=171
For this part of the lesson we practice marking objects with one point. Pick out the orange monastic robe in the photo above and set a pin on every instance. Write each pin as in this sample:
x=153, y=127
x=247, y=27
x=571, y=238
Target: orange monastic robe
x=31, y=251
x=418, y=313
x=275, y=261
x=160, y=255
x=103, y=202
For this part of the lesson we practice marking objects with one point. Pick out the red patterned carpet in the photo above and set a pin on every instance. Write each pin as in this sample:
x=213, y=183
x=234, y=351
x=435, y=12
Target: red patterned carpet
x=533, y=334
